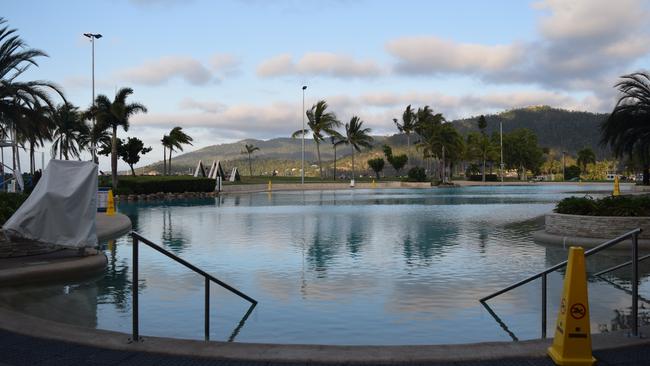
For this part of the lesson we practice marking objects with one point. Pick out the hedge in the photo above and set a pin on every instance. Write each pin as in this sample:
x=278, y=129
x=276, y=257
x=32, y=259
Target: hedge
x=9, y=203
x=488, y=177
x=608, y=206
x=155, y=184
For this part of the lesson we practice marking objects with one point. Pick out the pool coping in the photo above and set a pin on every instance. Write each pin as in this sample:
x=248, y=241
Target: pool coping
x=28, y=325
x=544, y=238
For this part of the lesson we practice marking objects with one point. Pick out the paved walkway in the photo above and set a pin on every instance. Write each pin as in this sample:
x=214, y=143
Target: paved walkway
x=18, y=350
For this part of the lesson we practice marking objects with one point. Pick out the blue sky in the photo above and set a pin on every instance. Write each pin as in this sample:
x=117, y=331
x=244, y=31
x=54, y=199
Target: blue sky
x=227, y=70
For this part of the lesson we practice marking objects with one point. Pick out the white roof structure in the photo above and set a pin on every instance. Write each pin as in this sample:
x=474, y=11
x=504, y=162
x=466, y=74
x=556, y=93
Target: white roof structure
x=61, y=210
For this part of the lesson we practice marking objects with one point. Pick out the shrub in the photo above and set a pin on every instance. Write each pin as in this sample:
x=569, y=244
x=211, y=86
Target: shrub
x=608, y=206
x=417, y=174
x=488, y=177
x=9, y=203
x=155, y=184
x=571, y=172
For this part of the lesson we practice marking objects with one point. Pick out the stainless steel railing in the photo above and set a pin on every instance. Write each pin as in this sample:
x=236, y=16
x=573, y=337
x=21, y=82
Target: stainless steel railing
x=633, y=235
x=137, y=238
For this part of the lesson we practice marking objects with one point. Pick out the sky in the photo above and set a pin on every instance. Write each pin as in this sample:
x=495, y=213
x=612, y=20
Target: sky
x=228, y=70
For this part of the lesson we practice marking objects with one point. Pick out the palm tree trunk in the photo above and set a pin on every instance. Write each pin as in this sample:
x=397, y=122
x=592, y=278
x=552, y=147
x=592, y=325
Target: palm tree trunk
x=352, y=148
x=250, y=165
x=334, y=162
x=31, y=158
x=169, y=162
x=646, y=175
x=132, y=171
x=164, y=160
x=320, y=165
x=113, y=158
x=408, y=150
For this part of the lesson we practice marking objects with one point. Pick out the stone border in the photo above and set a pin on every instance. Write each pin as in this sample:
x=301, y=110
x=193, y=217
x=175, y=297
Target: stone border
x=40, y=328
x=605, y=227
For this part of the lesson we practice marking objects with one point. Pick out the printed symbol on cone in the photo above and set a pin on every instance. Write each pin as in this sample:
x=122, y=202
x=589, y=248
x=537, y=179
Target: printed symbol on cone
x=563, y=306
x=578, y=311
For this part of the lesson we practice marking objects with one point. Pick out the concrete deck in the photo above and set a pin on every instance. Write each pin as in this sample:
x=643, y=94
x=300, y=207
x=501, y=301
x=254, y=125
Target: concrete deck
x=27, y=340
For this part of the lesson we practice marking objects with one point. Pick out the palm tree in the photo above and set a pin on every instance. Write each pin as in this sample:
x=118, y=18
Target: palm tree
x=115, y=114
x=627, y=129
x=250, y=149
x=336, y=140
x=357, y=137
x=407, y=127
x=586, y=156
x=68, y=131
x=20, y=98
x=177, y=138
x=319, y=122
x=442, y=142
x=166, y=143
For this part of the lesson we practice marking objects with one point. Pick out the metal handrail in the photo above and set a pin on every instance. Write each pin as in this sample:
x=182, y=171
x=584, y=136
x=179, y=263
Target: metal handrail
x=633, y=234
x=137, y=238
x=611, y=269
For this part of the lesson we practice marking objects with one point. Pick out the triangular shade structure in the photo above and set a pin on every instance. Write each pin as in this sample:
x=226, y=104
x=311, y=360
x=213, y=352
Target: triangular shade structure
x=61, y=210
x=200, y=170
x=216, y=170
x=234, y=175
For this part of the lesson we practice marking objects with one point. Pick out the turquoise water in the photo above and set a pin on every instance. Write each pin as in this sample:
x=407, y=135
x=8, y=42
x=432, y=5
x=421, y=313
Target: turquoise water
x=337, y=267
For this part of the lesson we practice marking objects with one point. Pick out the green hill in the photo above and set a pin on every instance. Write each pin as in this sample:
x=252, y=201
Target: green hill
x=557, y=129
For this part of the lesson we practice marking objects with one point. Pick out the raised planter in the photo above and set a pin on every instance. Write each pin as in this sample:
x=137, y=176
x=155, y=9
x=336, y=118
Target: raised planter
x=590, y=231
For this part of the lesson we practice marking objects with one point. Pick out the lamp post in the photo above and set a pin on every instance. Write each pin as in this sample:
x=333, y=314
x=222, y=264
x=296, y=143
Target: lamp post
x=93, y=37
x=302, y=166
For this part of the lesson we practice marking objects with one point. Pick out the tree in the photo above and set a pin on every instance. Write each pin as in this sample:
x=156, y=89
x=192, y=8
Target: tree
x=627, y=129
x=336, y=140
x=521, y=152
x=320, y=122
x=357, y=137
x=481, y=148
x=19, y=99
x=68, y=131
x=177, y=138
x=396, y=161
x=407, y=126
x=116, y=114
x=377, y=165
x=572, y=172
x=166, y=142
x=130, y=151
x=586, y=156
x=250, y=149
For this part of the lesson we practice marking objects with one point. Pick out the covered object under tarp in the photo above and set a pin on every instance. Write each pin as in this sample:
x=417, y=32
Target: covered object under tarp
x=61, y=210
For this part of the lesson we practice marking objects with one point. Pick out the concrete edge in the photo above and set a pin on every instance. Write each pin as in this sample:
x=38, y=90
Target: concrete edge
x=72, y=268
x=542, y=237
x=27, y=325
x=111, y=227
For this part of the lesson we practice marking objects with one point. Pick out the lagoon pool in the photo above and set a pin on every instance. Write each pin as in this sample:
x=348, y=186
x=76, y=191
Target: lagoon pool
x=338, y=267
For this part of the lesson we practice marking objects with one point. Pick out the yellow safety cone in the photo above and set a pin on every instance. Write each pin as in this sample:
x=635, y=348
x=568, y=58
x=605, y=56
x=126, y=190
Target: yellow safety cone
x=110, y=206
x=572, y=341
x=270, y=186
x=374, y=185
x=617, y=187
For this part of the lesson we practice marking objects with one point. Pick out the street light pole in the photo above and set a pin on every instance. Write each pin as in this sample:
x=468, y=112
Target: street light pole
x=92, y=37
x=302, y=167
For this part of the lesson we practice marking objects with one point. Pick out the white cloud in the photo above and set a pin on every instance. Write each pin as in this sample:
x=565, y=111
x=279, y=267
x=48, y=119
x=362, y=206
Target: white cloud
x=224, y=62
x=422, y=55
x=203, y=106
x=319, y=64
x=160, y=71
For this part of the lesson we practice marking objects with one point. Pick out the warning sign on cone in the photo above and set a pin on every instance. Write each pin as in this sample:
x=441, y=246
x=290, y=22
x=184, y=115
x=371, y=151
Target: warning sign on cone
x=572, y=341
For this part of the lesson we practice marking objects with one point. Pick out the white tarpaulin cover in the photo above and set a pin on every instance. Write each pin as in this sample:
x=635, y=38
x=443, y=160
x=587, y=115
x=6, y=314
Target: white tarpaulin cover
x=61, y=210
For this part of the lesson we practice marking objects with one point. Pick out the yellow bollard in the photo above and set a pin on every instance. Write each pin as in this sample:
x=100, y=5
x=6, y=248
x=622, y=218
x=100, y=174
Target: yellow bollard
x=572, y=341
x=270, y=186
x=617, y=187
x=110, y=206
x=374, y=185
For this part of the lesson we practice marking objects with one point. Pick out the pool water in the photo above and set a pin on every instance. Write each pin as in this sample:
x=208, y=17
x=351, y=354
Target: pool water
x=339, y=267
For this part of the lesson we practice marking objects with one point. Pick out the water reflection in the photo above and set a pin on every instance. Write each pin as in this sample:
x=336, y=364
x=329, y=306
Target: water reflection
x=340, y=267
